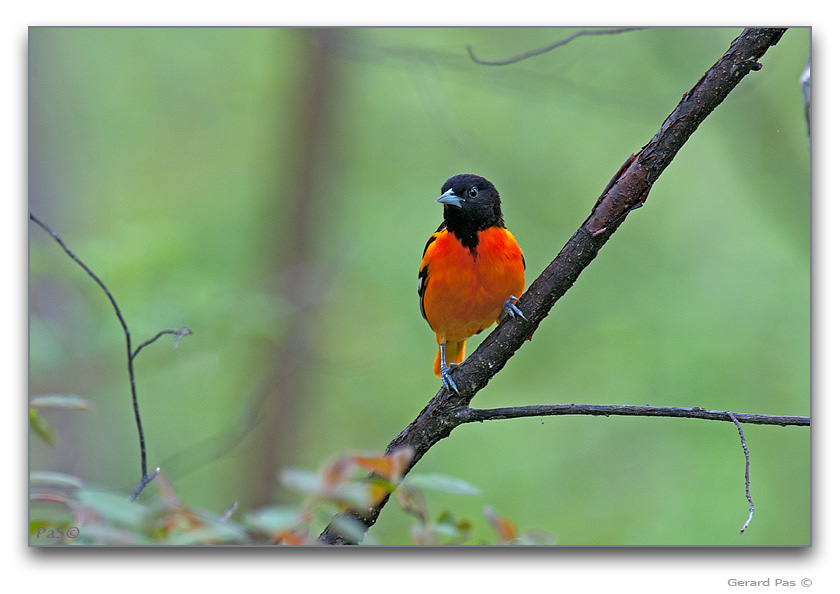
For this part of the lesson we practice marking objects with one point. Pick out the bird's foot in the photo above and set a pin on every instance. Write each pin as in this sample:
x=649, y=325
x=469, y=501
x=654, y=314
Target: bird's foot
x=510, y=309
x=448, y=382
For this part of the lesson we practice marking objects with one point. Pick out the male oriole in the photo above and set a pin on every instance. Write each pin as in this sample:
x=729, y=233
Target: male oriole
x=472, y=270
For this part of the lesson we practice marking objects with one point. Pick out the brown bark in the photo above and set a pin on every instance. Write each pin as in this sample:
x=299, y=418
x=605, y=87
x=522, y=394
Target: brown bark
x=625, y=192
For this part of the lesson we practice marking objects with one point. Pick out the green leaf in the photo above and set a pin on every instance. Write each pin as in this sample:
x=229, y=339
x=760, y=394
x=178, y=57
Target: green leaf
x=54, y=479
x=113, y=508
x=41, y=427
x=102, y=534
x=356, y=494
x=274, y=518
x=537, y=537
x=212, y=532
x=443, y=483
x=60, y=401
x=305, y=481
x=448, y=525
x=450, y=530
x=350, y=528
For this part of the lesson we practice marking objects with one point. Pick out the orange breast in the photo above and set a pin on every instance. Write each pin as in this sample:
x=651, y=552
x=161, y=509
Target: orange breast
x=465, y=290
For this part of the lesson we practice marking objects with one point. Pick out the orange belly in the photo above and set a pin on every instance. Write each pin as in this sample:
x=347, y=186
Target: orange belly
x=465, y=290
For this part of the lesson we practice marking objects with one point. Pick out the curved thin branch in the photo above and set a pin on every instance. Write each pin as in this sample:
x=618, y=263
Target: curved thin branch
x=89, y=272
x=548, y=48
x=179, y=334
x=145, y=477
x=746, y=471
x=626, y=192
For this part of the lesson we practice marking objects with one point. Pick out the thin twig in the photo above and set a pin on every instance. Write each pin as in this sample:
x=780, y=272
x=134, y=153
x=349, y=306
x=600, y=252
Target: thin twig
x=229, y=511
x=90, y=274
x=178, y=335
x=548, y=48
x=145, y=477
x=746, y=472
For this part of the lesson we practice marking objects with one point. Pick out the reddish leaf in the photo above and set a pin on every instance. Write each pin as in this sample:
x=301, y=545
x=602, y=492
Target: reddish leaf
x=505, y=529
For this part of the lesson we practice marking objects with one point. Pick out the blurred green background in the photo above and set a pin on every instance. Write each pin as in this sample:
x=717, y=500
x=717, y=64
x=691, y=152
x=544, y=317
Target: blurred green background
x=272, y=189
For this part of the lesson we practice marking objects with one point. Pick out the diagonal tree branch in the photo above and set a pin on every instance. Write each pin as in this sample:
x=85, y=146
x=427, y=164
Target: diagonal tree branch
x=625, y=192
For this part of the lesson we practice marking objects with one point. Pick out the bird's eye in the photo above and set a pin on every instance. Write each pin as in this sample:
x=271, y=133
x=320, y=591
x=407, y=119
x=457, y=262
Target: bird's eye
x=473, y=192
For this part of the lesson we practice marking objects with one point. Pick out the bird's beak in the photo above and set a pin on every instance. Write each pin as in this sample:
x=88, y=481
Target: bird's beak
x=450, y=198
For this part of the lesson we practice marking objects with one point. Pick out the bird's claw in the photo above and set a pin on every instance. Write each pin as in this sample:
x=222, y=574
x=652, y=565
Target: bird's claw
x=448, y=382
x=510, y=309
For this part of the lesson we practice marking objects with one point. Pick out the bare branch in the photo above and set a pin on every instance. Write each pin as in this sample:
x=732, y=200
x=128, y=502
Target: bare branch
x=473, y=415
x=625, y=192
x=145, y=478
x=90, y=273
x=746, y=471
x=178, y=335
x=548, y=48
